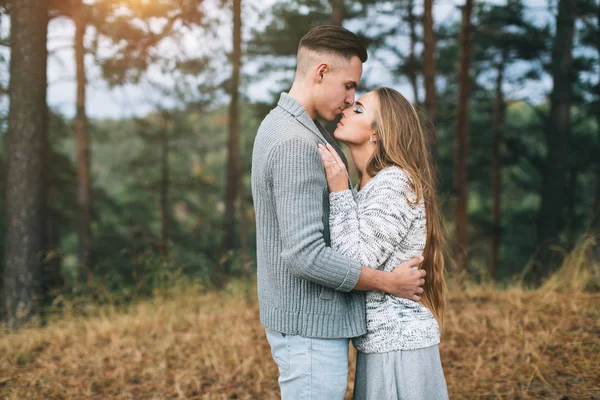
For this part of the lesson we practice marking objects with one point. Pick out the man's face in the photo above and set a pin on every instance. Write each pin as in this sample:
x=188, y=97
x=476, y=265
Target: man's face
x=337, y=88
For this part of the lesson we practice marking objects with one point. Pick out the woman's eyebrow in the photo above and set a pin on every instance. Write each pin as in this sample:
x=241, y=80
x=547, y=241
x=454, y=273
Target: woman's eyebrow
x=360, y=104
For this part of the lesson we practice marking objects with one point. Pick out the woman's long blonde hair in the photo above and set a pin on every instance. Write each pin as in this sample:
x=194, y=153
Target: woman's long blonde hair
x=402, y=142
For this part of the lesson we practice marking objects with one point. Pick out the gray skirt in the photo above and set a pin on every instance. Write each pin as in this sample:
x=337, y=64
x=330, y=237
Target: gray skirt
x=402, y=375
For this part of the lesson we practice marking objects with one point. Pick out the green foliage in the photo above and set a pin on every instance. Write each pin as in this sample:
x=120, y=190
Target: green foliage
x=126, y=154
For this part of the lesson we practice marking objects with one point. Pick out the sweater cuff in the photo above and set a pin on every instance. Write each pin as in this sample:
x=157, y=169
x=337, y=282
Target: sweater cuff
x=341, y=201
x=351, y=278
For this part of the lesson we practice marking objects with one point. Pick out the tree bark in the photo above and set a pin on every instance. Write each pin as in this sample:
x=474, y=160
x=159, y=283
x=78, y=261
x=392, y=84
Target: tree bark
x=571, y=199
x=51, y=261
x=593, y=228
x=164, y=188
x=84, y=193
x=497, y=126
x=554, y=180
x=25, y=146
x=337, y=12
x=51, y=277
x=233, y=164
x=461, y=220
x=412, y=60
x=246, y=264
x=429, y=69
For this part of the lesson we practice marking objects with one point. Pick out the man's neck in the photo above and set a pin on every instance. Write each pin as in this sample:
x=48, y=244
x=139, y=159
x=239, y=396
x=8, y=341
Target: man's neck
x=298, y=93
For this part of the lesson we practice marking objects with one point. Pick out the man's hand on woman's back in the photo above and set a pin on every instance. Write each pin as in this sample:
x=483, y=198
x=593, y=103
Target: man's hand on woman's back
x=404, y=281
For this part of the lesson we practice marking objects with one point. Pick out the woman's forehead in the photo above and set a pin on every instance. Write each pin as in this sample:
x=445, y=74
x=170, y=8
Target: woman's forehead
x=367, y=99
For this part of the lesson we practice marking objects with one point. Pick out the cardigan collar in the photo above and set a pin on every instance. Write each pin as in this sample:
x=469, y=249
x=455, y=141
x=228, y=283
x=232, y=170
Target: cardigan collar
x=293, y=106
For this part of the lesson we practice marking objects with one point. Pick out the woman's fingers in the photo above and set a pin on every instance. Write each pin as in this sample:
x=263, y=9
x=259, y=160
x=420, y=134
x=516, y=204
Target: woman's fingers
x=334, y=166
x=328, y=159
x=327, y=163
x=335, y=155
x=335, y=170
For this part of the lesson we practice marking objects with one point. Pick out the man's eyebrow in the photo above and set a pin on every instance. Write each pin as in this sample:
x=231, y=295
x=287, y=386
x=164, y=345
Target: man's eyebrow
x=360, y=104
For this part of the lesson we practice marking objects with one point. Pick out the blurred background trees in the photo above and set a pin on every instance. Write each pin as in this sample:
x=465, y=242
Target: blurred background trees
x=116, y=207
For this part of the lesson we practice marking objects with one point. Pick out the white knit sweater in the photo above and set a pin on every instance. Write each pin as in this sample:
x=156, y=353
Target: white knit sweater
x=379, y=227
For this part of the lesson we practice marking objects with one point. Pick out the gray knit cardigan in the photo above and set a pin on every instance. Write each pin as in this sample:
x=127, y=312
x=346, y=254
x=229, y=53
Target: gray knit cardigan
x=304, y=287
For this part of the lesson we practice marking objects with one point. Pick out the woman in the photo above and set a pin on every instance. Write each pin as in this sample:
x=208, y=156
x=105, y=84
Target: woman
x=393, y=217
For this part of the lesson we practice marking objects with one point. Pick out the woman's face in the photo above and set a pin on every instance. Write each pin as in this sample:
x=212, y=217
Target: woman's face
x=356, y=125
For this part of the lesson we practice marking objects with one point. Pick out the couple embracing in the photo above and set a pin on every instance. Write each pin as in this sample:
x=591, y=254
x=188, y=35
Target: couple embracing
x=337, y=263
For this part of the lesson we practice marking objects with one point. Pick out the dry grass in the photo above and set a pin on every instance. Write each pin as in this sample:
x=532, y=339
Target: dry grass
x=505, y=344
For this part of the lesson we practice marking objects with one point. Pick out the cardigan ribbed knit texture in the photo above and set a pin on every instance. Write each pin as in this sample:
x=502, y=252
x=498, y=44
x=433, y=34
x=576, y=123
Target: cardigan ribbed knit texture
x=304, y=287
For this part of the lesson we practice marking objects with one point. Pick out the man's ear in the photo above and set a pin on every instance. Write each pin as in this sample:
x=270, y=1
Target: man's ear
x=321, y=70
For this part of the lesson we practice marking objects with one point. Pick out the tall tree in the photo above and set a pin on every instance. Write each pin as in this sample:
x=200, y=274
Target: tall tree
x=337, y=12
x=497, y=124
x=233, y=148
x=503, y=37
x=25, y=146
x=556, y=169
x=234, y=117
x=461, y=219
x=429, y=67
x=164, y=186
x=84, y=194
x=412, y=59
x=594, y=224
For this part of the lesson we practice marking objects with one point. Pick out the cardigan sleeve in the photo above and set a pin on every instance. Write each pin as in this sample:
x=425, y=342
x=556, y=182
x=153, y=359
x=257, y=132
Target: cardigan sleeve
x=299, y=187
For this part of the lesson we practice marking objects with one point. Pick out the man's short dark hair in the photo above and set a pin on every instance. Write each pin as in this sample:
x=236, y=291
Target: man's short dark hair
x=334, y=39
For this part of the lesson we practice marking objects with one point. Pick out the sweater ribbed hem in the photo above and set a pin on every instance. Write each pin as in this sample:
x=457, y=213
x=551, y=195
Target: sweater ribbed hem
x=324, y=326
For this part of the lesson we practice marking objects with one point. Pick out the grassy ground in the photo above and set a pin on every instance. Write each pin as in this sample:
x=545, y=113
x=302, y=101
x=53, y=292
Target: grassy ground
x=497, y=344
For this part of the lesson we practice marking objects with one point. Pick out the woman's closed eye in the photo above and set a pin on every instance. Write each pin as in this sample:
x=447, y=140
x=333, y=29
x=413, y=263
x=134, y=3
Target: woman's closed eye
x=358, y=110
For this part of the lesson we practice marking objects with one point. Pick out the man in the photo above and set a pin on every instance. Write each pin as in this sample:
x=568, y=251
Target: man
x=310, y=296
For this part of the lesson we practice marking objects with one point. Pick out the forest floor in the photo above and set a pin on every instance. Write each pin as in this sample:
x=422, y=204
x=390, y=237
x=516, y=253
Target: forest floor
x=197, y=344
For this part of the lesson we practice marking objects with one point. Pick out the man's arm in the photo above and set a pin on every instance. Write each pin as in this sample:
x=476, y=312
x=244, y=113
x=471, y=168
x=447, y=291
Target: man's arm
x=404, y=281
x=299, y=185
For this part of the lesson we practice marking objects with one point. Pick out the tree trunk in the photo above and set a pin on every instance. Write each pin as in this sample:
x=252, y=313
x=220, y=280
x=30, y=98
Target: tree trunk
x=412, y=60
x=233, y=164
x=84, y=194
x=461, y=221
x=497, y=124
x=594, y=225
x=554, y=180
x=246, y=263
x=51, y=261
x=337, y=12
x=595, y=212
x=25, y=146
x=429, y=70
x=51, y=277
x=571, y=199
x=164, y=189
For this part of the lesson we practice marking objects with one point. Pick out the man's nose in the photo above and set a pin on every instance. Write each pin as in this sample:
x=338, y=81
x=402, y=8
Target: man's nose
x=350, y=98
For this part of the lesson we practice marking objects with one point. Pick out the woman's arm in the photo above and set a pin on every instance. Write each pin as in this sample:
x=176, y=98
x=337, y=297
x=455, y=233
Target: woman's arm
x=369, y=232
